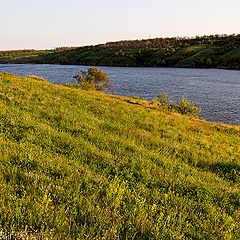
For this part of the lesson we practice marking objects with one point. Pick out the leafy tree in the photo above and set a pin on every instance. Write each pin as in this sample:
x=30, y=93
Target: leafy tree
x=209, y=62
x=93, y=79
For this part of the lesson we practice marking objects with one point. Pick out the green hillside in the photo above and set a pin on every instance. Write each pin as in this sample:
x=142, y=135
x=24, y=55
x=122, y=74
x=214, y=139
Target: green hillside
x=86, y=165
x=21, y=55
x=215, y=51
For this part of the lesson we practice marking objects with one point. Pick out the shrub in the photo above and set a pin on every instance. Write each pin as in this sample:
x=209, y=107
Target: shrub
x=164, y=100
x=186, y=107
x=183, y=106
x=93, y=79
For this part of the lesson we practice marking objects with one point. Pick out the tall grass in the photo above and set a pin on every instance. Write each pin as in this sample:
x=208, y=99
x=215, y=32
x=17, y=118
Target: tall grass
x=86, y=165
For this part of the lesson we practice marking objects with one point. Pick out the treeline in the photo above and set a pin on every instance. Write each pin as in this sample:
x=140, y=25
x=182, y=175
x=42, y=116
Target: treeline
x=12, y=56
x=214, y=51
x=168, y=42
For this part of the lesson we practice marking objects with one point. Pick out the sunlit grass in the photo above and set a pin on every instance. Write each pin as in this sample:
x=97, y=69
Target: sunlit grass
x=86, y=165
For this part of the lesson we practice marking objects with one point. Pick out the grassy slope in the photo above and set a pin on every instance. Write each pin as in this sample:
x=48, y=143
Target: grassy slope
x=86, y=165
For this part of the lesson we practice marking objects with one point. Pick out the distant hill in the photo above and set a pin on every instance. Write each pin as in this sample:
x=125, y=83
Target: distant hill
x=215, y=51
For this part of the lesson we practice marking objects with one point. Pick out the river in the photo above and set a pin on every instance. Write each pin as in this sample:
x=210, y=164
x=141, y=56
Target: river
x=217, y=91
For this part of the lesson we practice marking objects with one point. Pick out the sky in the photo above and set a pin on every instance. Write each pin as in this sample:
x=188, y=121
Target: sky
x=47, y=24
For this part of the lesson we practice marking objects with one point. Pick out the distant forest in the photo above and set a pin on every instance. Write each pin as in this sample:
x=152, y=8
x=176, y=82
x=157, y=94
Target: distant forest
x=214, y=51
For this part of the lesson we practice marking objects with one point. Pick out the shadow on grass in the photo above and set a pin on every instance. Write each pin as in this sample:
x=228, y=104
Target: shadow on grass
x=228, y=171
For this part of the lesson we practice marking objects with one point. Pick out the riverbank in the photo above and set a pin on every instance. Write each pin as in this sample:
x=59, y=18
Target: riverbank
x=79, y=164
x=216, y=91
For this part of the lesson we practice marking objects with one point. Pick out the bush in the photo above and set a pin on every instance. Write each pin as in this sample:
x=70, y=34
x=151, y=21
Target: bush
x=186, y=107
x=183, y=106
x=93, y=79
x=164, y=100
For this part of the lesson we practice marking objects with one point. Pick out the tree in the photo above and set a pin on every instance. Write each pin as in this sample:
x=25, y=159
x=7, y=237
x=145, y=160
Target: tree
x=93, y=79
x=209, y=62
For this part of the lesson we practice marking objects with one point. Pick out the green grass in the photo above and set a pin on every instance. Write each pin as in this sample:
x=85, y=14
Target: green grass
x=86, y=165
x=230, y=58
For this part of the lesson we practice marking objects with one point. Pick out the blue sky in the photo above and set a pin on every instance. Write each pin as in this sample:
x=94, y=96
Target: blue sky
x=42, y=24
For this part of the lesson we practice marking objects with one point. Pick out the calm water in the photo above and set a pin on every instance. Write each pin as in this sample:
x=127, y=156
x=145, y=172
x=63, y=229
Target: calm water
x=216, y=91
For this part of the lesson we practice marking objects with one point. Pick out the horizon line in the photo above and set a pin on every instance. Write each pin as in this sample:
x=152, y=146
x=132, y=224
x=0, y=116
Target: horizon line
x=122, y=40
